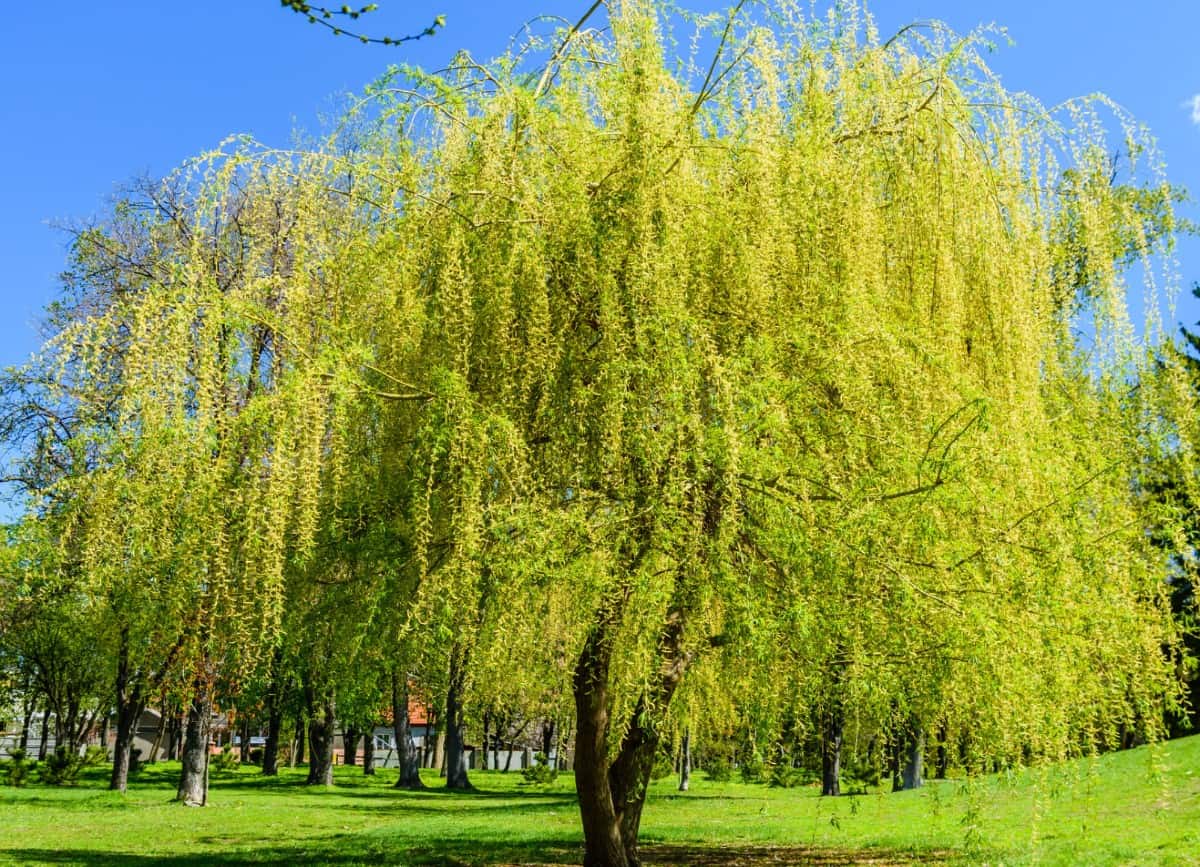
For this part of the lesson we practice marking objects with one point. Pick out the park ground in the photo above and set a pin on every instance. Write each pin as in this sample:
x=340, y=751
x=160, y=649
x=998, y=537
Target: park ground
x=1140, y=807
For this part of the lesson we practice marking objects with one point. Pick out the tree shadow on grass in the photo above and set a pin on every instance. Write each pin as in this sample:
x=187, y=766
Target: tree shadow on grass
x=342, y=851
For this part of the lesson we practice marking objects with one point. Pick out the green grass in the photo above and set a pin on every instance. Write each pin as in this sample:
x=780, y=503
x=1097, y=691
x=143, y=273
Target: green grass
x=1139, y=807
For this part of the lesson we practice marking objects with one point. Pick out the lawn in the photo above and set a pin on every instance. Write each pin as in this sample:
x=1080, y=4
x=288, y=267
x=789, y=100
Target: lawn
x=1139, y=807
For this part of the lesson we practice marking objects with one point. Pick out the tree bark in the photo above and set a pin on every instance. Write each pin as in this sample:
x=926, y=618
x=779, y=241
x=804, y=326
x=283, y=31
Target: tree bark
x=298, y=753
x=912, y=776
x=159, y=734
x=831, y=751
x=130, y=705
x=44, y=743
x=321, y=730
x=406, y=750
x=456, y=757
x=685, y=762
x=26, y=723
x=270, y=759
x=193, y=777
x=244, y=741
x=350, y=747
x=368, y=763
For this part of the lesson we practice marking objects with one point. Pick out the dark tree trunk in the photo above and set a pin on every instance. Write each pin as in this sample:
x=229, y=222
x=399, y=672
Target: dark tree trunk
x=244, y=741
x=26, y=722
x=831, y=751
x=193, y=777
x=321, y=731
x=913, y=774
x=487, y=720
x=159, y=734
x=548, y=739
x=942, y=763
x=456, y=757
x=129, y=710
x=685, y=762
x=298, y=753
x=44, y=743
x=270, y=760
x=603, y=846
x=350, y=747
x=369, y=753
x=406, y=751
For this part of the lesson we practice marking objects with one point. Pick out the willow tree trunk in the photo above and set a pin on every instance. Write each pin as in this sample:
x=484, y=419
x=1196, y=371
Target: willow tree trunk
x=44, y=743
x=831, y=751
x=26, y=723
x=193, y=776
x=406, y=751
x=456, y=756
x=270, y=760
x=350, y=747
x=685, y=762
x=321, y=730
x=129, y=710
x=244, y=741
x=368, y=763
x=912, y=776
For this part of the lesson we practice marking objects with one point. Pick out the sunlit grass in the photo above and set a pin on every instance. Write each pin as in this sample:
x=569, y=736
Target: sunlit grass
x=1139, y=807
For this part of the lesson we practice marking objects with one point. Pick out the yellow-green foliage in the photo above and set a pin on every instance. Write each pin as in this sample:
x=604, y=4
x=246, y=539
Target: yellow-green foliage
x=784, y=350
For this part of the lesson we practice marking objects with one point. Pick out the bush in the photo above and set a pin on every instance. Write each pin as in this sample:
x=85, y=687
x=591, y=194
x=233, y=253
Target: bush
x=225, y=761
x=784, y=776
x=540, y=773
x=718, y=770
x=94, y=756
x=256, y=754
x=753, y=770
x=62, y=767
x=16, y=771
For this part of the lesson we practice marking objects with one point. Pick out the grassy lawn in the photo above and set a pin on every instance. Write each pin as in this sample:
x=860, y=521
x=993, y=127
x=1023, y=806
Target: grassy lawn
x=1140, y=807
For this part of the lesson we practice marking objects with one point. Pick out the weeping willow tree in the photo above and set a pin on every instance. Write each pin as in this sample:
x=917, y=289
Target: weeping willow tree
x=671, y=386
x=764, y=373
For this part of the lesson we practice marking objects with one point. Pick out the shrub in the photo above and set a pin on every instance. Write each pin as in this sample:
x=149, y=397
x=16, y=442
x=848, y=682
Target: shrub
x=753, y=770
x=540, y=773
x=94, y=756
x=62, y=767
x=225, y=761
x=17, y=769
x=718, y=770
x=663, y=767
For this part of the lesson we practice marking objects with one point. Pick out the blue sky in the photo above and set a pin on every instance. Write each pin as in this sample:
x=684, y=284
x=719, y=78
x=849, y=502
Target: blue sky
x=98, y=92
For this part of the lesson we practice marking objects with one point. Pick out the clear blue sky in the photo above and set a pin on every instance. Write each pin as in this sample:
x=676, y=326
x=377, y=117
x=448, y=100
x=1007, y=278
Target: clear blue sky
x=97, y=92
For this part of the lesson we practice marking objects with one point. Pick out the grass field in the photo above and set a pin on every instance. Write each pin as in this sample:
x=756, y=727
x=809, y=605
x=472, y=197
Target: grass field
x=1141, y=807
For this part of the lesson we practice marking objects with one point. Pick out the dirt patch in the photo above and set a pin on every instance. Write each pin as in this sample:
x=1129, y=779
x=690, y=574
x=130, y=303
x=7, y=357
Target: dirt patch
x=762, y=856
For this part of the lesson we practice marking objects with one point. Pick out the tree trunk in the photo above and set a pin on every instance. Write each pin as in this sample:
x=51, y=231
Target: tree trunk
x=129, y=711
x=44, y=743
x=298, y=753
x=26, y=722
x=159, y=734
x=369, y=753
x=244, y=741
x=406, y=750
x=603, y=846
x=831, y=751
x=321, y=730
x=456, y=757
x=350, y=747
x=685, y=762
x=913, y=774
x=942, y=763
x=193, y=777
x=270, y=759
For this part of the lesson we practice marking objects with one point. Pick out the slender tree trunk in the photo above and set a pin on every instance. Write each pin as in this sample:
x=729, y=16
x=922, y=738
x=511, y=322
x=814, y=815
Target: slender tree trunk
x=913, y=774
x=487, y=721
x=603, y=846
x=298, y=753
x=406, y=751
x=26, y=722
x=244, y=741
x=831, y=750
x=129, y=711
x=456, y=758
x=44, y=743
x=368, y=764
x=350, y=747
x=942, y=763
x=548, y=729
x=193, y=777
x=270, y=761
x=685, y=762
x=159, y=734
x=321, y=730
